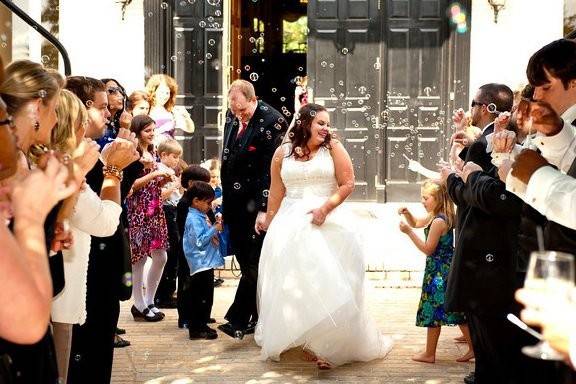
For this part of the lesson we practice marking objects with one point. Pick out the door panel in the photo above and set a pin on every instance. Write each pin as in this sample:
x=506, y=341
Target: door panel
x=419, y=61
x=342, y=52
x=197, y=67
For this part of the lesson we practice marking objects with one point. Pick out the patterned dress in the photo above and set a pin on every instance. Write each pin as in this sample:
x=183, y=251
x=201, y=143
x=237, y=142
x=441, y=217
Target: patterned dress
x=431, y=308
x=147, y=223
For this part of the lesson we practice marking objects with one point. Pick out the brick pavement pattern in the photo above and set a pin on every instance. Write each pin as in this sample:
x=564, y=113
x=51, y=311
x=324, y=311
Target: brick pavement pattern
x=162, y=353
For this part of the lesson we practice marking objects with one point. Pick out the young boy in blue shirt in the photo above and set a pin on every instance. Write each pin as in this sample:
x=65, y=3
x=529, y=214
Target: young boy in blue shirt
x=201, y=249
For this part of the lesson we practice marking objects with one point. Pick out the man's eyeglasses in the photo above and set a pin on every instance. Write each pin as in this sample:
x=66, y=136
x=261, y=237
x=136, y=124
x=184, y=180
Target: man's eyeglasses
x=114, y=90
x=475, y=103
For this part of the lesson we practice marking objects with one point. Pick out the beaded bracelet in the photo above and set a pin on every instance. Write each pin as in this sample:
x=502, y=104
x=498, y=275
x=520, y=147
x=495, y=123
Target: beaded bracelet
x=112, y=170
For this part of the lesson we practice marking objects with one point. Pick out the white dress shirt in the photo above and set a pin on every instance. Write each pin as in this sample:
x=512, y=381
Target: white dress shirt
x=551, y=192
x=92, y=216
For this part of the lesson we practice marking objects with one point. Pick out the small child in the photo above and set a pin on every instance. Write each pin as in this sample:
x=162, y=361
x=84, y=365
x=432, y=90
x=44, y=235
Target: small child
x=439, y=248
x=169, y=152
x=189, y=175
x=203, y=255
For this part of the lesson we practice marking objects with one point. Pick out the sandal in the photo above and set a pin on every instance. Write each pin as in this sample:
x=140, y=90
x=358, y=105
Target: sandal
x=120, y=342
x=323, y=365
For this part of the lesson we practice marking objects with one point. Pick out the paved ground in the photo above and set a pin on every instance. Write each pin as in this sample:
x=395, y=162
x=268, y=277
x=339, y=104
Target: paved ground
x=162, y=353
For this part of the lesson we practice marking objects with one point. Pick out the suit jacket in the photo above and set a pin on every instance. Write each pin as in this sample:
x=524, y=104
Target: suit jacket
x=109, y=257
x=246, y=159
x=482, y=274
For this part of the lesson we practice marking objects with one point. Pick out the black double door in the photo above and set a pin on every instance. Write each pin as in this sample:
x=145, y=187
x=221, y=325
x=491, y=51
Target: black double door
x=389, y=71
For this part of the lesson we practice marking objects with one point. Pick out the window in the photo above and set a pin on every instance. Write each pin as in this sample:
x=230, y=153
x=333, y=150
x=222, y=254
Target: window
x=295, y=35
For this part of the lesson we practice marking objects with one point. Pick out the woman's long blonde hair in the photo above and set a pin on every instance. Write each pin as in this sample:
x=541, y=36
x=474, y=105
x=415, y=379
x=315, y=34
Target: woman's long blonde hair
x=444, y=204
x=25, y=80
x=71, y=113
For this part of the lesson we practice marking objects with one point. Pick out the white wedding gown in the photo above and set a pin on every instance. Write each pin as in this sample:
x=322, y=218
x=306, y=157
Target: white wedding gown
x=311, y=278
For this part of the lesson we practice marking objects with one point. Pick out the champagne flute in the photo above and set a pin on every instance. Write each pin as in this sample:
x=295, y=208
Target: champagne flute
x=551, y=274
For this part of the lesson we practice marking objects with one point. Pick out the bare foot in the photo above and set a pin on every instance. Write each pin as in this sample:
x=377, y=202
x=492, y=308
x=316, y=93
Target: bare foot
x=424, y=358
x=323, y=365
x=466, y=357
x=460, y=339
x=309, y=356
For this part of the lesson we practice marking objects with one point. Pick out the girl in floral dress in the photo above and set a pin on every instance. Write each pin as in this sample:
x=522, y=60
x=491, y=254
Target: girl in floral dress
x=438, y=247
x=147, y=224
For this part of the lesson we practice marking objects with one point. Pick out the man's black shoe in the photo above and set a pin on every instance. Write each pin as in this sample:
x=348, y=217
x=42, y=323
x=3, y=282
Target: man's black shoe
x=202, y=334
x=470, y=378
x=120, y=342
x=250, y=328
x=120, y=331
x=218, y=282
x=231, y=331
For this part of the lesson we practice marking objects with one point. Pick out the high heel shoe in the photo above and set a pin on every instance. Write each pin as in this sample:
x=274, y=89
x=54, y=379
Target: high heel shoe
x=143, y=316
x=138, y=316
x=155, y=316
x=156, y=311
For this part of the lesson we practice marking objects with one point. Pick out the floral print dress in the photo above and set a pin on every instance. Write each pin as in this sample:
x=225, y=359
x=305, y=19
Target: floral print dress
x=431, y=308
x=146, y=221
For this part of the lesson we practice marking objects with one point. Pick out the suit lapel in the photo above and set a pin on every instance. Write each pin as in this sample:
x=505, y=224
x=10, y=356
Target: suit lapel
x=230, y=132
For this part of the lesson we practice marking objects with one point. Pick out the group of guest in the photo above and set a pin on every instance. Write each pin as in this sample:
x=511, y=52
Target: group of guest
x=512, y=170
x=109, y=184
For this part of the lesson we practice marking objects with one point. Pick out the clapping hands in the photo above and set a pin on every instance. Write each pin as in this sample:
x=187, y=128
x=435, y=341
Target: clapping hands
x=122, y=151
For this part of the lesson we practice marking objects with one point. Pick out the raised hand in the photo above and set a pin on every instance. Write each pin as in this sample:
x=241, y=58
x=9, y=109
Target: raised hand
x=468, y=169
x=501, y=122
x=445, y=171
x=405, y=228
x=122, y=151
x=86, y=155
x=503, y=141
x=28, y=203
x=539, y=116
x=460, y=120
x=125, y=120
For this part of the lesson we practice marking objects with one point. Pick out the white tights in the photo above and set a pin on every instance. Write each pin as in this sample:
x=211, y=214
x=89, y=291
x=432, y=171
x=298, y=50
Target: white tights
x=142, y=301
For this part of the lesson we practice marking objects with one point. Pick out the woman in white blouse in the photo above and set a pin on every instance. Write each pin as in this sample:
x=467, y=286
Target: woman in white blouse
x=93, y=215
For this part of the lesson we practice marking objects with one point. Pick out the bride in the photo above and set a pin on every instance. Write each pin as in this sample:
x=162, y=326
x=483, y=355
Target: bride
x=311, y=272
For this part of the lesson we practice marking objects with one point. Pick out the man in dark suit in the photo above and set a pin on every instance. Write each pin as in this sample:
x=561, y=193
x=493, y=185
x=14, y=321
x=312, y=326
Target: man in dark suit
x=489, y=100
x=481, y=280
x=252, y=132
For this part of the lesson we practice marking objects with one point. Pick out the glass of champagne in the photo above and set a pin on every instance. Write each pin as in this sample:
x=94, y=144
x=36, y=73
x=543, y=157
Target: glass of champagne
x=551, y=274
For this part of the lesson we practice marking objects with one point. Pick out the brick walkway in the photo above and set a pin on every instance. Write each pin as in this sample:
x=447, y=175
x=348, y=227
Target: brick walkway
x=162, y=353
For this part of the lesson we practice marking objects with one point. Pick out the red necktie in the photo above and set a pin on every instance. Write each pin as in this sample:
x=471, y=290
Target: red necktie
x=243, y=125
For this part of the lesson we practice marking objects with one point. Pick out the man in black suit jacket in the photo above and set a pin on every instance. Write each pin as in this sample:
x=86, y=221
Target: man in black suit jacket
x=252, y=132
x=498, y=97
x=482, y=276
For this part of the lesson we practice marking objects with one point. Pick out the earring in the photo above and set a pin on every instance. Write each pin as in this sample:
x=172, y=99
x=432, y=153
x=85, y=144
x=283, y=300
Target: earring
x=36, y=125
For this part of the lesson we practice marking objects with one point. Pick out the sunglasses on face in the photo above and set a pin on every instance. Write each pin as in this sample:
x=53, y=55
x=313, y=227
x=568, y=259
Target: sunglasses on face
x=114, y=90
x=475, y=103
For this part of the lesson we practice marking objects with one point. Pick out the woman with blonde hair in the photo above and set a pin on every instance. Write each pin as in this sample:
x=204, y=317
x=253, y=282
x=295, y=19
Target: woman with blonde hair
x=31, y=93
x=93, y=216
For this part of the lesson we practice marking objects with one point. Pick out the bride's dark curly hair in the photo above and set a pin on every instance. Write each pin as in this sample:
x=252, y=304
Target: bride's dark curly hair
x=301, y=132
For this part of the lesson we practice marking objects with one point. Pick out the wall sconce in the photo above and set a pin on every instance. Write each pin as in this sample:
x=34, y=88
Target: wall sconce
x=497, y=5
